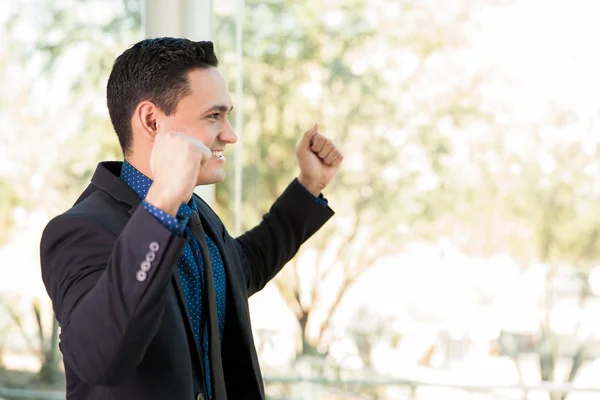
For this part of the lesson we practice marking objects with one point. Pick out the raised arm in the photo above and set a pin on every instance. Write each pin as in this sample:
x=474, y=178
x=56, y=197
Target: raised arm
x=108, y=292
x=292, y=220
x=296, y=215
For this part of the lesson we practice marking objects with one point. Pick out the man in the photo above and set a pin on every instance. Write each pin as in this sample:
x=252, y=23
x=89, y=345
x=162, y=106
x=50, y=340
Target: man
x=150, y=291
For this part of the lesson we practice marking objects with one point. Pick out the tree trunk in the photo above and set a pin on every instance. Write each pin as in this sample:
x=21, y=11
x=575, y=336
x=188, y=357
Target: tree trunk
x=50, y=373
x=307, y=348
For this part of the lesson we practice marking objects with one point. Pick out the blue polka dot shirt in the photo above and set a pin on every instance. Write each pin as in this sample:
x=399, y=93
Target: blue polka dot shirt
x=190, y=268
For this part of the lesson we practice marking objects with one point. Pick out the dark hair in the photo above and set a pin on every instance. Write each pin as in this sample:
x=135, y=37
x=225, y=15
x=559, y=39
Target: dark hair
x=155, y=70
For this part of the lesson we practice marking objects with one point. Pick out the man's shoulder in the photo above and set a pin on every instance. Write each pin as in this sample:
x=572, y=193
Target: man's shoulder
x=97, y=203
x=95, y=210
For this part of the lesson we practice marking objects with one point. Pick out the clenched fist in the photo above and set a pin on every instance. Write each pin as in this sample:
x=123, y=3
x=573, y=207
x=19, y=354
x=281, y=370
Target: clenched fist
x=175, y=162
x=319, y=160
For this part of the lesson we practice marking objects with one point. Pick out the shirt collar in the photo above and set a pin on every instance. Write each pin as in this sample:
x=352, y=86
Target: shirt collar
x=140, y=184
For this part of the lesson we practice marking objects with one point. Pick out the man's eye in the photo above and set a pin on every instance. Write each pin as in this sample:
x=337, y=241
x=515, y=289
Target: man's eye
x=214, y=116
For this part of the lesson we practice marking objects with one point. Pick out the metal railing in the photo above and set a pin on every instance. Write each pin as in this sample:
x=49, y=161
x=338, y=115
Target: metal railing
x=12, y=393
x=518, y=391
x=31, y=394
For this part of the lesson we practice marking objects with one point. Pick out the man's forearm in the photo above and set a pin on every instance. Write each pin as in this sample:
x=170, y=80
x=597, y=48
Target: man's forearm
x=292, y=220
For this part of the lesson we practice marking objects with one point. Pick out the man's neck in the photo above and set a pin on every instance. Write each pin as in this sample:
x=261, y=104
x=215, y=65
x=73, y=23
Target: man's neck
x=148, y=174
x=141, y=163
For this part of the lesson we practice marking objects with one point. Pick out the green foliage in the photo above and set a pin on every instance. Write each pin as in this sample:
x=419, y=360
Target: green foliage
x=561, y=206
x=377, y=197
x=76, y=38
x=46, y=345
x=403, y=180
x=8, y=201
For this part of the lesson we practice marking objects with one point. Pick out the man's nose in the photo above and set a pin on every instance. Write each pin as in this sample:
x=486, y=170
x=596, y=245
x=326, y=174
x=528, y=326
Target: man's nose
x=228, y=134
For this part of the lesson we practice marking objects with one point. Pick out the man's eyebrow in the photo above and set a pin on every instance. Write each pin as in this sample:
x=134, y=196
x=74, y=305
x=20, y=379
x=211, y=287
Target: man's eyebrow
x=219, y=108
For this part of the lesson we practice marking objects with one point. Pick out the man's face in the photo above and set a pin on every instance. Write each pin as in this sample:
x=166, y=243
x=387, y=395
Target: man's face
x=203, y=115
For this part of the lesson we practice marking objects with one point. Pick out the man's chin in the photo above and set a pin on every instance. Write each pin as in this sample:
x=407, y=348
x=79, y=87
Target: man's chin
x=212, y=179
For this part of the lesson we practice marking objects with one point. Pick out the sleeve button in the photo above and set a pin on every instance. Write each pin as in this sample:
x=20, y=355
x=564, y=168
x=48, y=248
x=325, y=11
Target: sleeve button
x=145, y=266
x=141, y=276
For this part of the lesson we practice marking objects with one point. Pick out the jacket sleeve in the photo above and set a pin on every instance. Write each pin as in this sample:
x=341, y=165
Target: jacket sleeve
x=108, y=292
x=294, y=217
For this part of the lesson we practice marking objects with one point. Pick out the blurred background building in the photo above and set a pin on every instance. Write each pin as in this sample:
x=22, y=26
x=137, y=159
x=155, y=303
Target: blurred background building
x=464, y=258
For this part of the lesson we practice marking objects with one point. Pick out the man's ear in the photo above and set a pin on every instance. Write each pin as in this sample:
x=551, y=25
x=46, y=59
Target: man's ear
x=146, y=115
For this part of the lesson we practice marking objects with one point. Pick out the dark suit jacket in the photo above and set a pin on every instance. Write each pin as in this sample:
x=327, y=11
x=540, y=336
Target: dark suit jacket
x=124, y=337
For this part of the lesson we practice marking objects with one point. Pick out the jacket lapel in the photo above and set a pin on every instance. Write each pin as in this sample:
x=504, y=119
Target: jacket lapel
x=106, y=178
x=238, y=306
x=233, y=279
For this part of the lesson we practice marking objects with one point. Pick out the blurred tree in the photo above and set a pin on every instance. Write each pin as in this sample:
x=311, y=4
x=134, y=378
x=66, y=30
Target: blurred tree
x=401, y=129
x=559, y=198
x=5, y=332
x=74, y=46
x=9, y=198
x=539, y=199
x=68, y=50
x=8, y=201
x=323, y=62
x=320, y=64
x=366, y=330
x=45, y=347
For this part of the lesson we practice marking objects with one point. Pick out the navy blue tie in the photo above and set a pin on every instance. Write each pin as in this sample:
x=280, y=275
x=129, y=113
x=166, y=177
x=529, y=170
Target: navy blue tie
x=214, y=351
